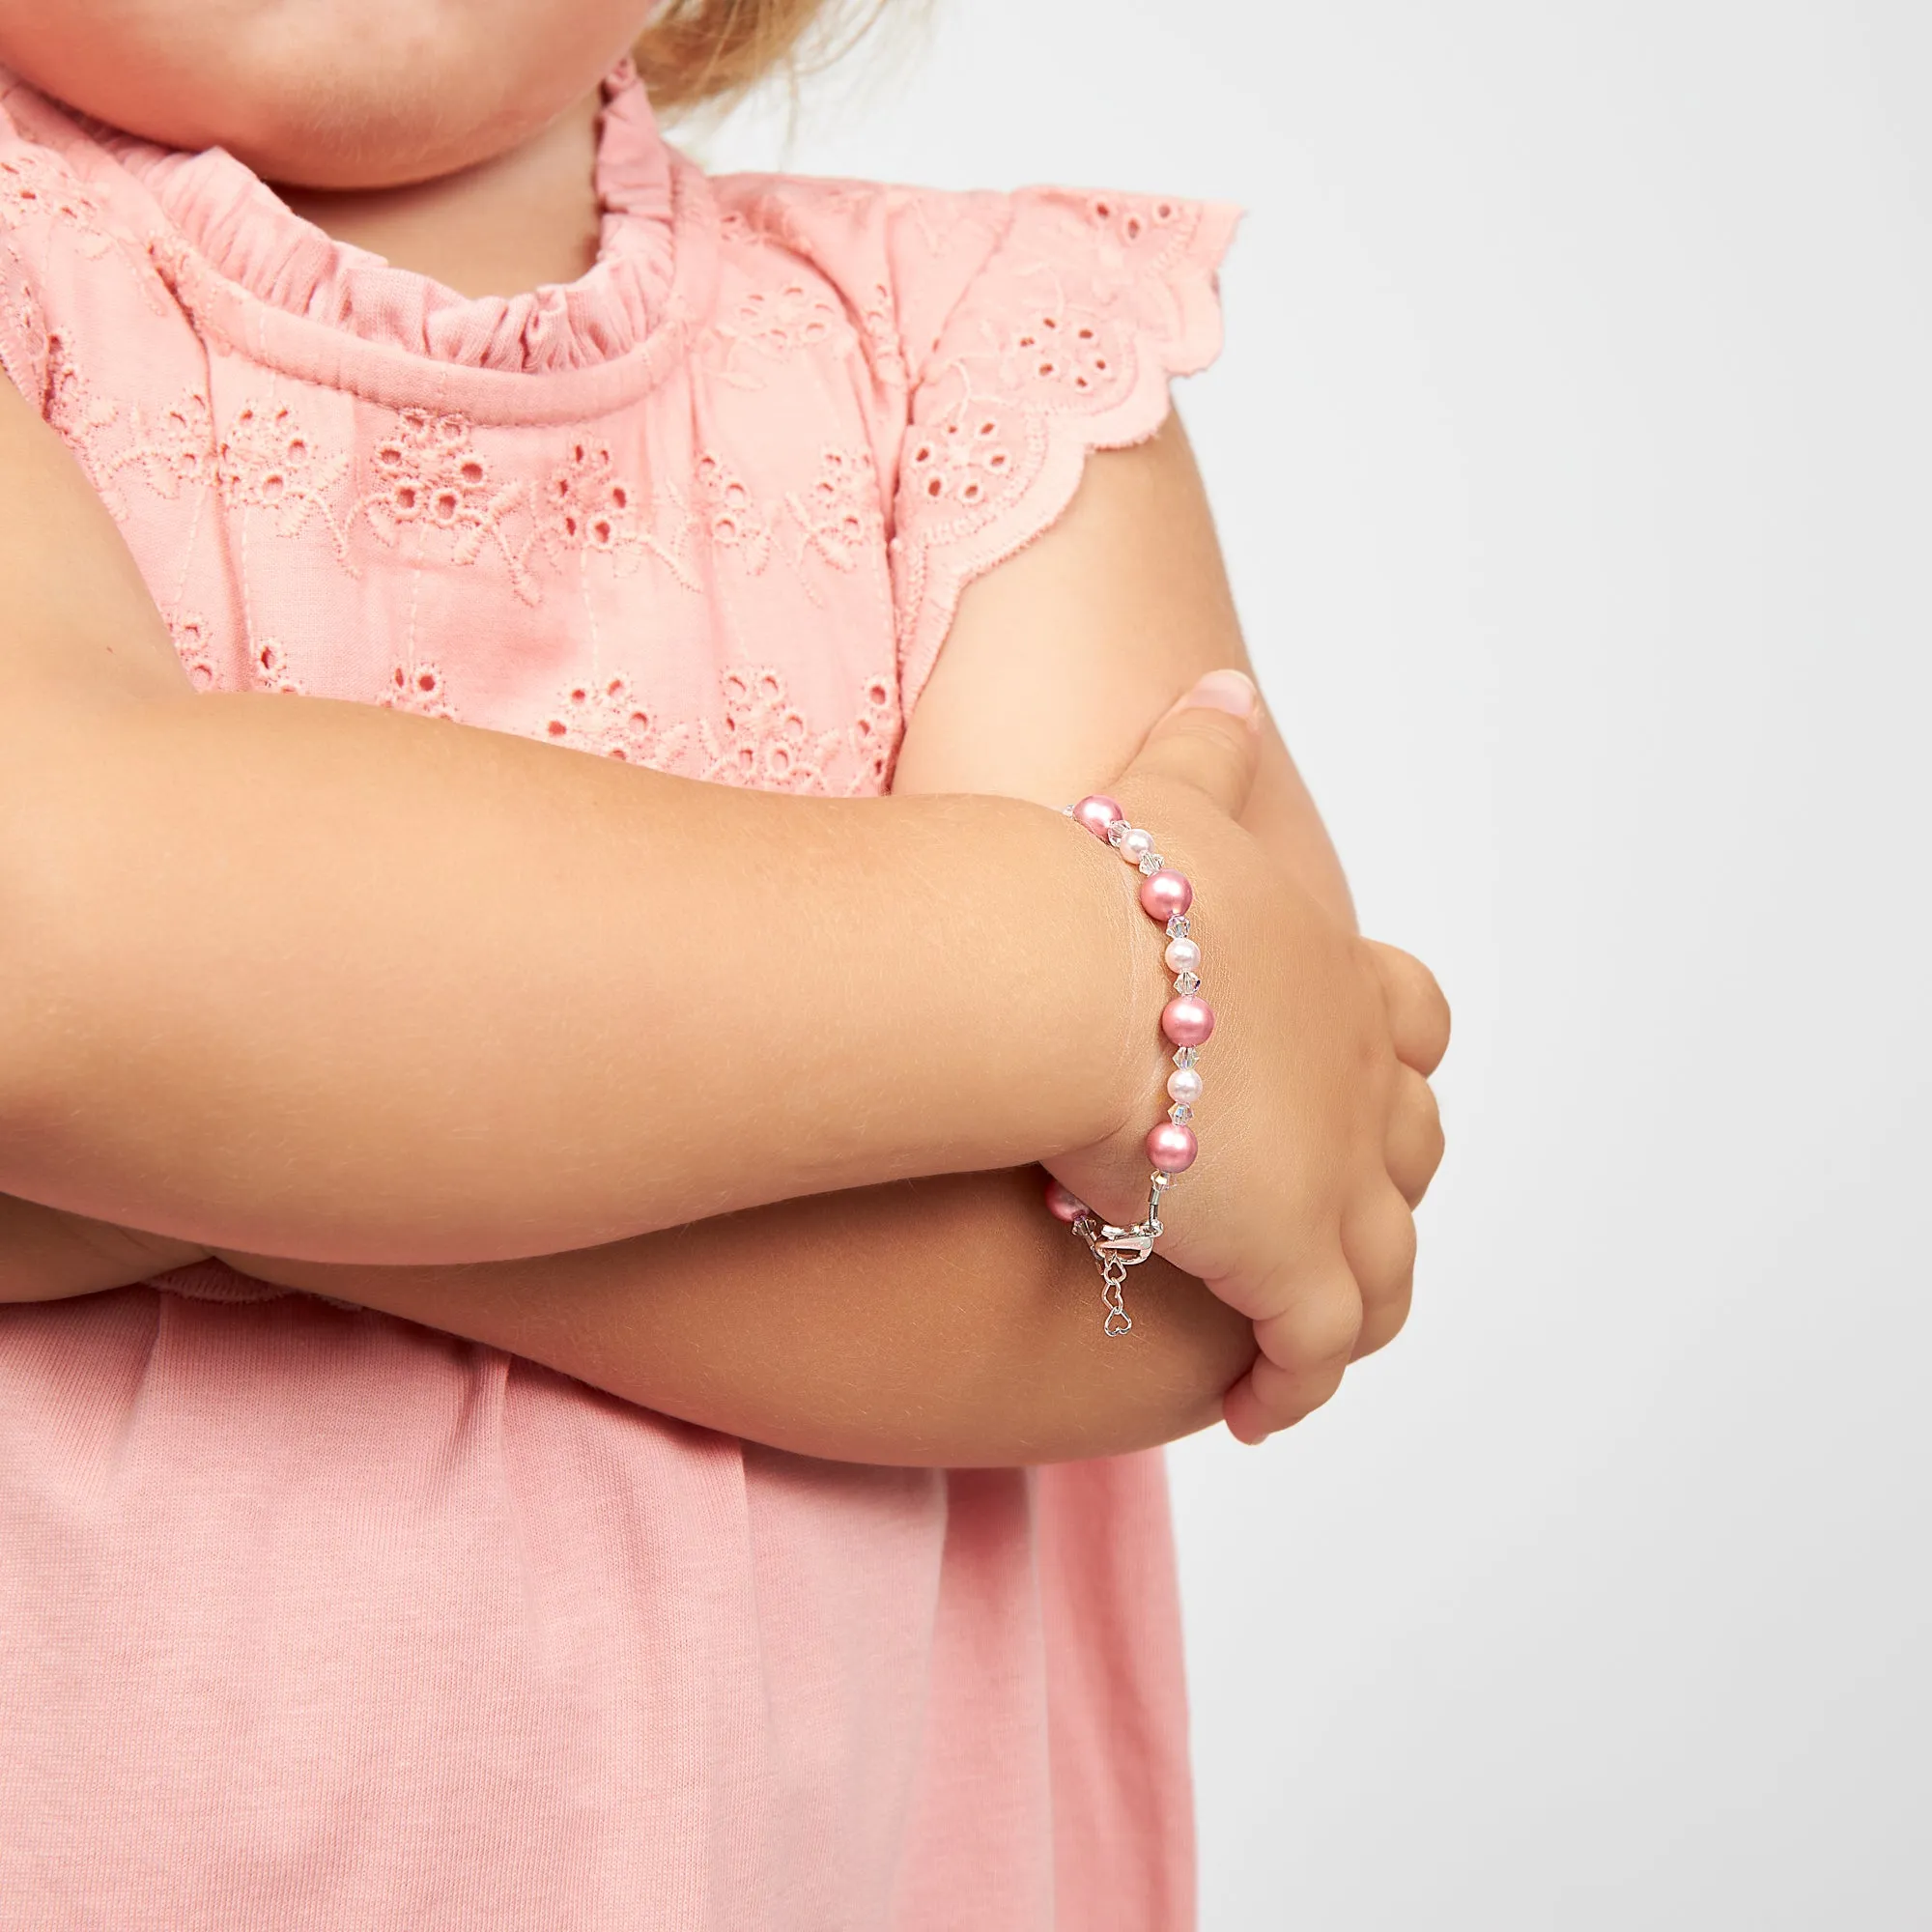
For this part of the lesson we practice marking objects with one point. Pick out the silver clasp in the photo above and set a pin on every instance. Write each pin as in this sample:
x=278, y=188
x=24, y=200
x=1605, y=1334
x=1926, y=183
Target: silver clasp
x=1133, y=1245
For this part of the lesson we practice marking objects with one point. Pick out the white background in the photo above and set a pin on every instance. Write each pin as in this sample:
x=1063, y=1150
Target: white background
x=1573, y=449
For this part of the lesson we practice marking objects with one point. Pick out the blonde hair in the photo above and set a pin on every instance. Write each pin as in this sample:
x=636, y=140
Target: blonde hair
x=699, y=50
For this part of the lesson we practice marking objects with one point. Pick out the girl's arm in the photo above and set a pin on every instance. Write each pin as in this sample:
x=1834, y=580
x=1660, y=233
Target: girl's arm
x=329, y=980
x=1062, y=659
x=949, y=1322
x=946, y=1321
x=50, y=1254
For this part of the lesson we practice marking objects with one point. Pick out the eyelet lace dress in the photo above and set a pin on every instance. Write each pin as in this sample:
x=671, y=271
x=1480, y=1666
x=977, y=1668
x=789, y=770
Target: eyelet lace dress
x=314, y=1618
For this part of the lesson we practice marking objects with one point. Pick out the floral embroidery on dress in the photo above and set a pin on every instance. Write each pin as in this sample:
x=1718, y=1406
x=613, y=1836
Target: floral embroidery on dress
x=73, y=410
x=268, y=669
x=603, y=717
x=1062, y=350
x=762, y=739
x=418, y=688
x=431, y=477
x=429, y=474
x=962, y=459
x=1102, y=249
x=177, y=452
x=731, y=520
x=589, y=507
x=195, y=645
x=772, y=326
x=195, y=649
x=839, y=514
x=23, y=331
x=37, y=185
x=781, y=321
x=1132, y=218
x=267, y=461
x=875, y=733
x=587, y=504
x=173, y=453
x=766, y=741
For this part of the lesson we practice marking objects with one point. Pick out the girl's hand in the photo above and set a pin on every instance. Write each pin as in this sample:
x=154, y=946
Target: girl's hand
x=1319, y=1130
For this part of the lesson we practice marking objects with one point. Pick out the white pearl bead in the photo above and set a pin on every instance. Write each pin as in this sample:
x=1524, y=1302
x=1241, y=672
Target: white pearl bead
x=1183, y=956
x=1183, y=1084
x=1137, y=844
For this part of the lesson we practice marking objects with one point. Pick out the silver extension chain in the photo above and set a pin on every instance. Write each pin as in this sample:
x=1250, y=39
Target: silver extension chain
x=1115, y=1250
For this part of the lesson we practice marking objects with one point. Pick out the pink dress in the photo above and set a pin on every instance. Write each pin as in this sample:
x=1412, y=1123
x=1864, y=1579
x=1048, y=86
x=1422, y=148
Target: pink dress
x=313, y=1618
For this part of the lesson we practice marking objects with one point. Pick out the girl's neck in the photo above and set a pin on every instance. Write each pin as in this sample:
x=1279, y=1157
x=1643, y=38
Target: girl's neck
x=500, y=228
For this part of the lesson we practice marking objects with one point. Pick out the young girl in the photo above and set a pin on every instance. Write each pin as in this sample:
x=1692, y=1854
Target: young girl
x=533, y=1329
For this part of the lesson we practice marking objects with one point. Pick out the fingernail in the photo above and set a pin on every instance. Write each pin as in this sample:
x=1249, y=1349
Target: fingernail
x=1229, y=691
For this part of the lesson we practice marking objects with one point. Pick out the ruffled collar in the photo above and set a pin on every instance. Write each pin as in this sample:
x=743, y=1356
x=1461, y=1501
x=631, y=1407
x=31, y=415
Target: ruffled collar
x=248, y=236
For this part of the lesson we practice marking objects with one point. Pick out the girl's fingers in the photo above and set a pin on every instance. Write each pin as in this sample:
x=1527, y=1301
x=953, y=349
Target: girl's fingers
x=1305, y=1351
x=1412, y=1147
x=1301, y=1209
x=1332, y=1317
x=1418, y=1014
x=1379, y=1239
x=1269, y=1397
x=1211, y=739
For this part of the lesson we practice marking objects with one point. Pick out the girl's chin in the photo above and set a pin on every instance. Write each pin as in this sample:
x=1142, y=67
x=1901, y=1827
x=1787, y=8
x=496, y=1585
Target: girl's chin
x=322, y=94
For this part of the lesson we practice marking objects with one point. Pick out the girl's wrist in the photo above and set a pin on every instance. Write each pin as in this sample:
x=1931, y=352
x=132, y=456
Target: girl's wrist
x=1112, y=1174
x=1061, y=975
x=1135, y=994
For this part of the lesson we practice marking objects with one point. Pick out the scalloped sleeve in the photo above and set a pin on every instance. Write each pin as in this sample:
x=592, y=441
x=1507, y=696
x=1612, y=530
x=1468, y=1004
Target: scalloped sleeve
x=1062, y=340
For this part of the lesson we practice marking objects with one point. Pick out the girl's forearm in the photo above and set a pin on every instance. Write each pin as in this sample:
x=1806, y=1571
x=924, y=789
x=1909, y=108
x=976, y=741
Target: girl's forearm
x=326, y=981
x=945, y=1322
x=321, y=980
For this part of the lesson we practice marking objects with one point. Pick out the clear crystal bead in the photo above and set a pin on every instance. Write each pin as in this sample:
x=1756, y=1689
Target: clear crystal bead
x=1183, y=1056
x=1186, y=983
x=1150, y=863
x=1163, y=1181
x=1117, y=831
x=1181, y=1113
x=1176, y=927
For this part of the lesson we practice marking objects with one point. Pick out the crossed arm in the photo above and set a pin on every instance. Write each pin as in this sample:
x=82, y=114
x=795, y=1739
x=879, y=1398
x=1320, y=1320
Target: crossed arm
x=945, y=1319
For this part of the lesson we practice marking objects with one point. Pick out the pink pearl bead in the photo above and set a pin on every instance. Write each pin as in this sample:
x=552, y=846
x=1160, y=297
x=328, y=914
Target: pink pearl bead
x=1172, y=1147
x=1062, y=1206
x=1165, y=893
x=1097, y=813
x=1188, y=1021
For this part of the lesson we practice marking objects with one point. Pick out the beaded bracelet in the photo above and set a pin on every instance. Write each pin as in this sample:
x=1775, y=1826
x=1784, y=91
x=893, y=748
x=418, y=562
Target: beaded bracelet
x=1187, y=1020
